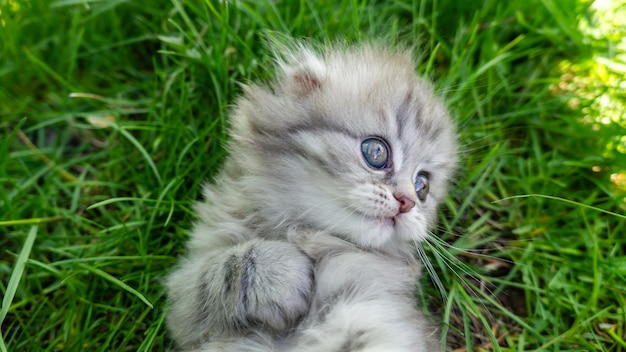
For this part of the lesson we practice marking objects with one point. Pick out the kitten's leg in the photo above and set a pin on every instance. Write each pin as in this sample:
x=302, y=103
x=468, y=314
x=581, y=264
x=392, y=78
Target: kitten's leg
x=318, y=244
x=257, y=284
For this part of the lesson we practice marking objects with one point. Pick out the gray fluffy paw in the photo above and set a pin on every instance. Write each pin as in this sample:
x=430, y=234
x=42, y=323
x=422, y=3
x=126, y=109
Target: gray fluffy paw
x=274, y=282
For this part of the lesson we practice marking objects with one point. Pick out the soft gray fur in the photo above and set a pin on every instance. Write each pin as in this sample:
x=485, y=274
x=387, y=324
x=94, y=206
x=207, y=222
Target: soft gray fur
x=301, y=244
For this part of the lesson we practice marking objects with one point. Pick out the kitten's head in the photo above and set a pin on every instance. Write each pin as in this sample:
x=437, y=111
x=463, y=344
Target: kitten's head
x=346, y=140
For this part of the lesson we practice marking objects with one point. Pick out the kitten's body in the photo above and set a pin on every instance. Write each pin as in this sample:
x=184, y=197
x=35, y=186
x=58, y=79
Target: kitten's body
x=363, y=302
x=306, y=244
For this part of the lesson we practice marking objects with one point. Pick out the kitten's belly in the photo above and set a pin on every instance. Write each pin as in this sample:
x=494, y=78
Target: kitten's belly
x=363, y=302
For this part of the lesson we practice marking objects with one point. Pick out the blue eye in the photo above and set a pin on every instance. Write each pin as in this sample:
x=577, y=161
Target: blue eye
x=375, y=152
x=421, y=185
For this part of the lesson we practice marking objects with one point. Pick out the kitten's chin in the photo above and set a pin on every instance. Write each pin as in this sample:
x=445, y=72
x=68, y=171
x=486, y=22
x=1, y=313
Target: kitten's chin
x=377, y=233
x=411, y=228
x=385, y=222
x=381, y=233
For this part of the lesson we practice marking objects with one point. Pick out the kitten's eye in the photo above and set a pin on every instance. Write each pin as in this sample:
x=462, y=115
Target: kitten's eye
x=375, y=152
x=421, y=185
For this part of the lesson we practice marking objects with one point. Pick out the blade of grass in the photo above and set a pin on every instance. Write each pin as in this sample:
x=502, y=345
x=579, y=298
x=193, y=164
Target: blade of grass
x=136, y=143
x=117, y=282
x=18, y=271
x=66, y=175
x=31, y=221
x=586, y=206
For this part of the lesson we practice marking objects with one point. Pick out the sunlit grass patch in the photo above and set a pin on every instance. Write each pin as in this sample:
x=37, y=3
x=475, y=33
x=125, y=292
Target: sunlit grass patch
x=595, y=84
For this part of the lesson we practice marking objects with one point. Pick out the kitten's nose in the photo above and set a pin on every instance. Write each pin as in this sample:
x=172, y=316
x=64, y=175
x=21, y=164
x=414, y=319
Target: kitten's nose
x=406, y=203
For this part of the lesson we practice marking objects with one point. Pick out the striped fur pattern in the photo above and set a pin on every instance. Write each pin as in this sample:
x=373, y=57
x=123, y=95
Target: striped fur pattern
x=300, y=244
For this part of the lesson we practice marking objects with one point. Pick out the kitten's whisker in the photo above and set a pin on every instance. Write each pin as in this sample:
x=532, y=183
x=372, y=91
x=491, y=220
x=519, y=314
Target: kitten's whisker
x=463, y=267
x=453, y=263
x=448, y=259
x=443, y=243
x=431, y=271
x=438, y=249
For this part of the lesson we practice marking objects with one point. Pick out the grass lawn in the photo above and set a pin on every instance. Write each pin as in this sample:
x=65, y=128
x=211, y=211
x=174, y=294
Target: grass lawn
x=113, y=112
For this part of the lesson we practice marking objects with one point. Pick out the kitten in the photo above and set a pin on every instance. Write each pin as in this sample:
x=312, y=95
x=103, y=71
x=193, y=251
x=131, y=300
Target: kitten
x=306, y=239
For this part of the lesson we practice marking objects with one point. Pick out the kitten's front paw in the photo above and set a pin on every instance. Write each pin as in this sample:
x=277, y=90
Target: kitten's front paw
x=276, y=281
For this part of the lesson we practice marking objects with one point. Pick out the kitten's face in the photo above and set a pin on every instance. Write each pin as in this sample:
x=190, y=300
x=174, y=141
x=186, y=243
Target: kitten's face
x=348, y=142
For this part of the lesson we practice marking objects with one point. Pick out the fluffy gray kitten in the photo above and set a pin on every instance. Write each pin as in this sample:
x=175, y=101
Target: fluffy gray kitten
x=306, y=239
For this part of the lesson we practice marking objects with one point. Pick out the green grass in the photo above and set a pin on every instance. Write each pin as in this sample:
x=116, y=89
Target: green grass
x=112, y=113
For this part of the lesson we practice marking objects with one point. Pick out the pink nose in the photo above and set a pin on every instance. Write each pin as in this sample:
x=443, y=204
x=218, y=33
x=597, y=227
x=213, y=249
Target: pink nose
x=406, y=203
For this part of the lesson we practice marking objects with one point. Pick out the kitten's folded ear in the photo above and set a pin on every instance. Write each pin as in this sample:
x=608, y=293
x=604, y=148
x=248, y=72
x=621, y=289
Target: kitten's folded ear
x=304, y=73
x=303, y=69
x=263, y=110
